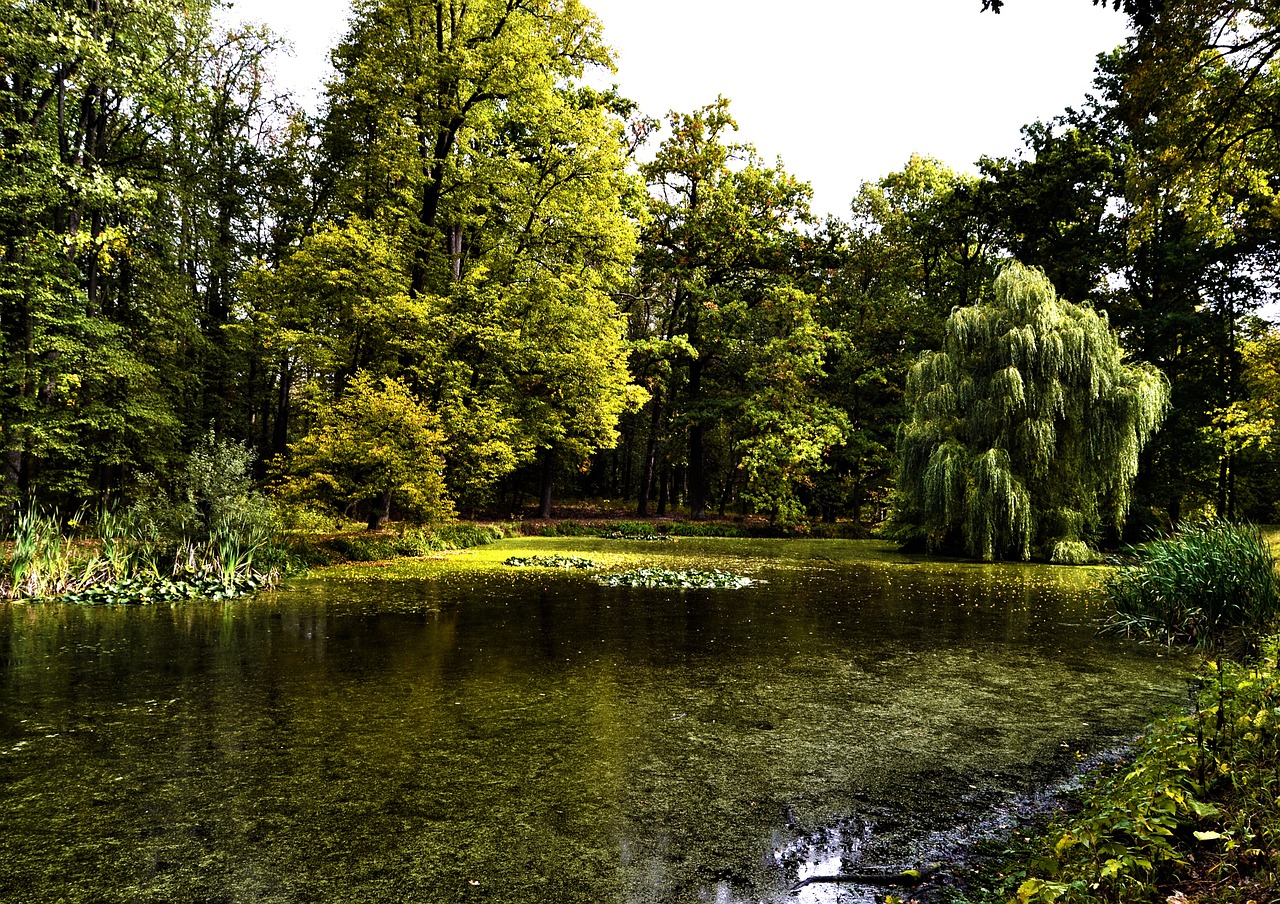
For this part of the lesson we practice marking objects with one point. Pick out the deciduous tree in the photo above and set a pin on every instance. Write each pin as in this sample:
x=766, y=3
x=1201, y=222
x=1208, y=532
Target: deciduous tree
x=1025, y=427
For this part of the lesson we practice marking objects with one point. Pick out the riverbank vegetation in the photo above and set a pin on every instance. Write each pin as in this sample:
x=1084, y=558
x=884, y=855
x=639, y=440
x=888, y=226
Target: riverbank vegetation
x=1193, y=812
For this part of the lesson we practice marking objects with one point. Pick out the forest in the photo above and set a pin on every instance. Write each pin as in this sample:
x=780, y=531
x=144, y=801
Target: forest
x=473, y=283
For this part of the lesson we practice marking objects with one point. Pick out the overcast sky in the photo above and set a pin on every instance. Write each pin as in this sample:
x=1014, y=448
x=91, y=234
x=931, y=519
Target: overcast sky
x=844, y=91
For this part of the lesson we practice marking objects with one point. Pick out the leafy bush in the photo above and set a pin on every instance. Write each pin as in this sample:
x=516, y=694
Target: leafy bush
x=213, y=493
x=703, y=529
x=1212, y=585
x=629, y=530
x=374, y=447
x=409, y=542
x=1197, y=805
x=566, y=529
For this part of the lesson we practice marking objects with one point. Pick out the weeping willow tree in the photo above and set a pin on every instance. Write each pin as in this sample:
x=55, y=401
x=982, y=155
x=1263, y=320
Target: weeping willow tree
x=1025, y=428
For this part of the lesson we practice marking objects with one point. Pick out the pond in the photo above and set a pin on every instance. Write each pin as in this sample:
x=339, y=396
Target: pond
x=457, y=730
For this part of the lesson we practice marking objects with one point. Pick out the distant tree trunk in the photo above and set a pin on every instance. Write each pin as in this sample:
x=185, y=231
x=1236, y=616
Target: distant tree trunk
x=280, y=436
x=380, y=513
x=548, y=479
x=664, y=483
x=697, y=464
x=1226, y=498
x=650, y=459
x=726, y=493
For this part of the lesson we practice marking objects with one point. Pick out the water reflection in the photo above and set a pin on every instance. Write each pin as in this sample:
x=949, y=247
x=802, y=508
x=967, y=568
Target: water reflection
x=536, y=738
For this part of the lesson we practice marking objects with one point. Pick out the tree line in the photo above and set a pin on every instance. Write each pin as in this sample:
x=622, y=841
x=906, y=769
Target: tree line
x=473, y=281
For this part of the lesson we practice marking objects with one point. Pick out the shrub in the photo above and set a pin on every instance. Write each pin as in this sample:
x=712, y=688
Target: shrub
x=702, y=529
x=1212, y=585
x=413, y=541
x=1195, y=809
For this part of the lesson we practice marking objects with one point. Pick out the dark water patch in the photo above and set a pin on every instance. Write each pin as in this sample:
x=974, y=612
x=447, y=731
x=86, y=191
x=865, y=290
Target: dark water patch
x=482, y=733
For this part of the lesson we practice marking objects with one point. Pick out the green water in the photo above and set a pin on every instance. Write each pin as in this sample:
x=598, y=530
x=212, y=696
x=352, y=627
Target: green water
x=456, y=730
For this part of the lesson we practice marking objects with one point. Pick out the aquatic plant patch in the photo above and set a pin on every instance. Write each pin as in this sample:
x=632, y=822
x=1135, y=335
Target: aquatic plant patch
x=1213, y=585
x=662, y=577
x=550, y=562
x=143, y=590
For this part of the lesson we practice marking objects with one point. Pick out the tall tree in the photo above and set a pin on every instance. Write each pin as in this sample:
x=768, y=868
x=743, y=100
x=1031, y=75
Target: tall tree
x=916, y=247
x=1025, y=428
x=719, y=274
x=461, y=137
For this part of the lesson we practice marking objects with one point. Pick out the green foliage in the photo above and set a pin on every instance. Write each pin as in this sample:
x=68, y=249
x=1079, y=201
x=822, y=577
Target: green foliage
x=497, y=187
x=212, y=495
x=124, y=562
x=913, y=250
x=376, y=447
x=726, y=340
x=1198, y=804
x=683, y=580
x=410, y=542
x=629, y=529
x=567, y=528
x=702, y=529
x=152, y=589
x=1025, y=428
x=1213, y=585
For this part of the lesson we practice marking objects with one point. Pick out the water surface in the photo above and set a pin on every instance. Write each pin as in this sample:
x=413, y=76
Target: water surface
x=457, y=731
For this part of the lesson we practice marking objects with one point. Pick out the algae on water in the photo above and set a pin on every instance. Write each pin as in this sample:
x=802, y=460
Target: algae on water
x=396, y=733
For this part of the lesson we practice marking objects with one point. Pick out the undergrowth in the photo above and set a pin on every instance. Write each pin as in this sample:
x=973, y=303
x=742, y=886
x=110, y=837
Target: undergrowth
x=412, y=541
x=1195, y=813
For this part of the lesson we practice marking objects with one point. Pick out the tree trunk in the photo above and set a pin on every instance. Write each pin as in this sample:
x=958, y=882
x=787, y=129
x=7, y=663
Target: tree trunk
x=280, y=434
x=697, y=435
x=380, y=513
x=650, y=459
x=548, y=480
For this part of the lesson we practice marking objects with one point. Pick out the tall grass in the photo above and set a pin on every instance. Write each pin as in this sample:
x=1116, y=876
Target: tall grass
x=1214, y=585
x=41, y=561
x=47, y=559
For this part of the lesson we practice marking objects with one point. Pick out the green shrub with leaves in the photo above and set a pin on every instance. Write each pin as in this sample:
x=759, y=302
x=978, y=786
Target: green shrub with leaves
x=375, y=447
x=1196, y=810
x=213, y=493
x=413, y=541
x=1213, y=585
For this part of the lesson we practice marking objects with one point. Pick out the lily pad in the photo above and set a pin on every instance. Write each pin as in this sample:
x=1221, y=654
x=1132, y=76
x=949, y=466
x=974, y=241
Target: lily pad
x=691, y=580
x=549, y=562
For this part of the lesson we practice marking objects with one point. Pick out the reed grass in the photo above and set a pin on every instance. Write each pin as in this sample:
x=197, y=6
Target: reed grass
x=124, y=560
x=1214, y=586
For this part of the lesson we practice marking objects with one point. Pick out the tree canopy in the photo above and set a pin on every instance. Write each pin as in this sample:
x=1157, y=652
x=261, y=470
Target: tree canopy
x=1025, y=427
x=471, y=238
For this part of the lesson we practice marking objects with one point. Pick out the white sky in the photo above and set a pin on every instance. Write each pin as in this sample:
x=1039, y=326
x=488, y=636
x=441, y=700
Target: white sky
x=843, y=92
